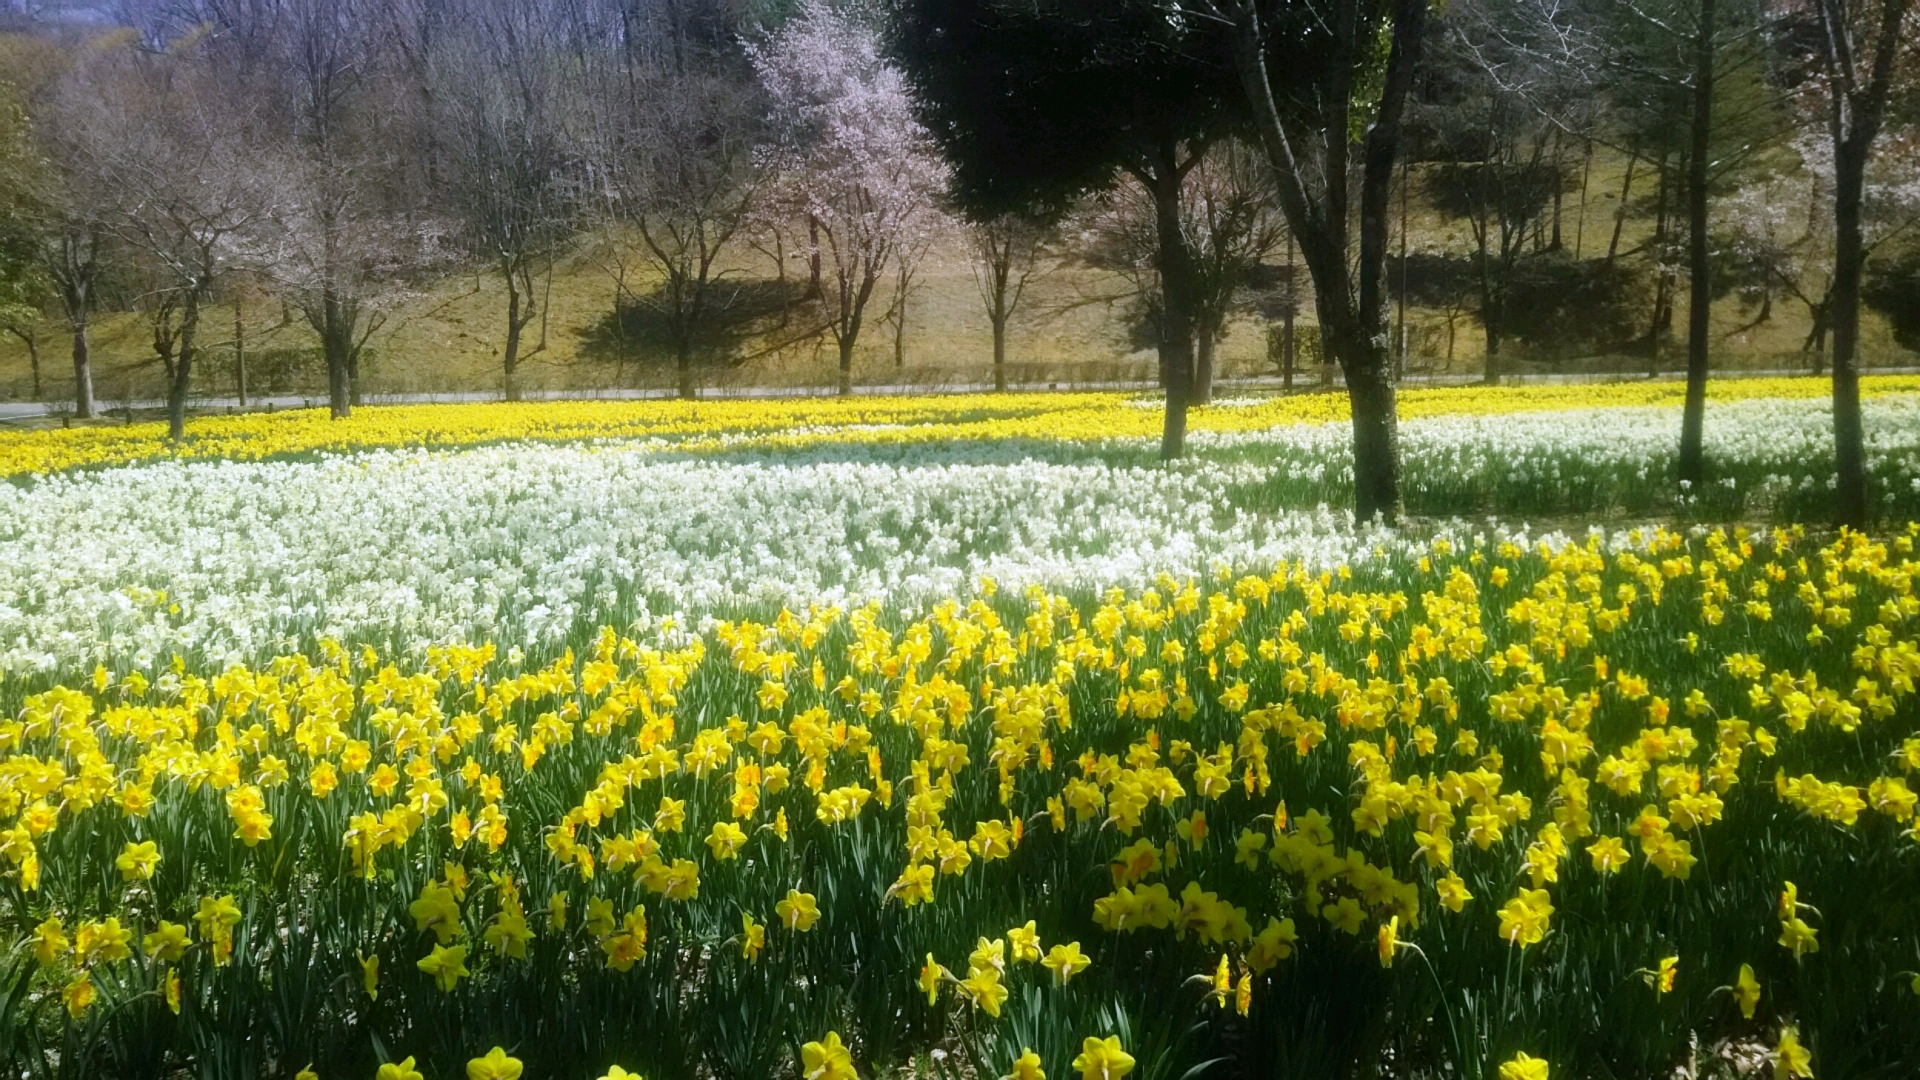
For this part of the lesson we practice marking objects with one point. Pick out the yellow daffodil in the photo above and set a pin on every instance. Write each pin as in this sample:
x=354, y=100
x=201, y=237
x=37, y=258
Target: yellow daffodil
x=447, y=964
x=1389, y=941
x=931, y=975
x=671, y=817
x=1661, y=978
x=629, y=946
x=438, y=910
x=137, y=861
x=1609, y=854
x=1453, y=892
x=167, y=943
x=753, y=937
x=1524, y=919
x=725, y=840
x=1523, y=1067
x=1066, y=961
x=984, y=988
x=1799, y=938
x=915, y=885
x=49, y=942
x=496, y=1065
x=78, y=995
x=1025, y=943
x=1102, y=1059
x=827, y=1060
x=1746, y=991
x=105, y=940
x=1272, y=944
x=217, y=917
x=1026, y=1067
x=370, y=976
x=1791, y=1060
x=798, y=912
x=401, y=1070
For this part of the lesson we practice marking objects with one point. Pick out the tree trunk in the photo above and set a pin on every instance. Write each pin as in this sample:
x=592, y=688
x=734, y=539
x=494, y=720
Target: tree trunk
x=239, y=354
x=32, y=339
x=1699, y=268
x=1490, y=314
x=846, y=366
x=1816, y=342
x=339, y=383
x=1400, y=323
x=1177, y=288
x=1000, y=352
x=336, y=345
x=82, y=371
x=1553, y=244
x=1858, y=102
x=182, y=369
x=1202, y=366
x=814, y=289
x=1580, y=226
x=1620, y=212
x=1376, y=428
x=683, y=362
x=1663, y=289
x=1354, y=330
x=904, y=286
x=510, y=382
x=1286, y=323
x=1843, y=314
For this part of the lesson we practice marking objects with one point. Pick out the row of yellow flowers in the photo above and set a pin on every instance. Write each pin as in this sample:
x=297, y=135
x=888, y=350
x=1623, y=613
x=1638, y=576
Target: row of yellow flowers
x=794, y=422
x=1478, y=704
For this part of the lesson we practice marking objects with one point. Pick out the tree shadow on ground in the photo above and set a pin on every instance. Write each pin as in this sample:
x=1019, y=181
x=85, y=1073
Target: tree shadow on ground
x=745, y=316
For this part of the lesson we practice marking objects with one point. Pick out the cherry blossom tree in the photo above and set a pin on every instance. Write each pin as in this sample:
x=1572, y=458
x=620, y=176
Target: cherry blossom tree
x=849, y=159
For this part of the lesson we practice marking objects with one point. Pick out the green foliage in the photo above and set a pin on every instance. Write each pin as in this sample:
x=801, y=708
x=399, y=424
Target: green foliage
x=1892, y=288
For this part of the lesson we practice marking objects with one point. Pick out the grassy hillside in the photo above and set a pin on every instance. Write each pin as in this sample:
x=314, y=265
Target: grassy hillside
x=448, y=337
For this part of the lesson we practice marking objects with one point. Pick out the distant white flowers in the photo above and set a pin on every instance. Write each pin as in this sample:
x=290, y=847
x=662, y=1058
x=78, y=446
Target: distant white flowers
x=530, y=544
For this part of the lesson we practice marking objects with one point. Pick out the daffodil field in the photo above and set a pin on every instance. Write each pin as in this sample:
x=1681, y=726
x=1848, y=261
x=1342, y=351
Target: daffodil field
x=960, y=738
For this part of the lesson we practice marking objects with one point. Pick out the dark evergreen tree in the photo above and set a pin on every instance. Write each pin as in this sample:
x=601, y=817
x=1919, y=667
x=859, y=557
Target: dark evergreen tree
x=1036, y=104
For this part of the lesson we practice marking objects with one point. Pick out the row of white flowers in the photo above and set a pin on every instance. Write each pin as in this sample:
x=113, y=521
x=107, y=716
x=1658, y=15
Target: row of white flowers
x=528, y=544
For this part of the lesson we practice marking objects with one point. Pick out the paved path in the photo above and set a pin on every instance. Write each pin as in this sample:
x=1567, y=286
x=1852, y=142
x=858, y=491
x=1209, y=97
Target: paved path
x=30, y=412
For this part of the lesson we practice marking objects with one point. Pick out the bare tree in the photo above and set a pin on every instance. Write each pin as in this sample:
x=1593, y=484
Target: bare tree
x=75, y=204
x=1861, y=43
x=346, y=237
x=907, y=261
x=179, y=158
x=1234, y=224
x=849, y=158
x=507, y=182
x=1006, y=254
x=1224, y=221
x=675, y=164
x=24, y=287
